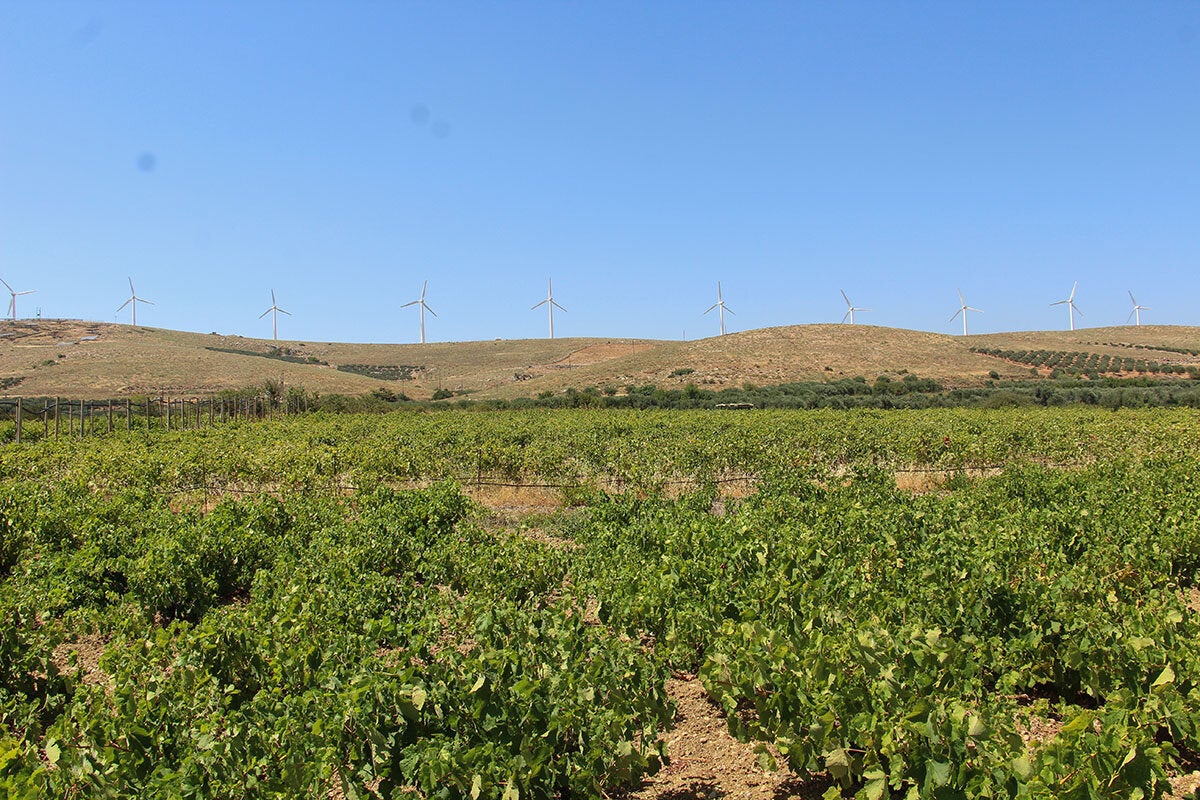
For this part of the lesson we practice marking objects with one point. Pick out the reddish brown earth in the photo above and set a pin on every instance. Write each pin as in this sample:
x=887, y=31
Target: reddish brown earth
x=707, y=762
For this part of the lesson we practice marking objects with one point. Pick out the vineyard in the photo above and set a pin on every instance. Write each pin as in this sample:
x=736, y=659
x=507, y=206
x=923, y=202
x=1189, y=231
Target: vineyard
x=351, y=606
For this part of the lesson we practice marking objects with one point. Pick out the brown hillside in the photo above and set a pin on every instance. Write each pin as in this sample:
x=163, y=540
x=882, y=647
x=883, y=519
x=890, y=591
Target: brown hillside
x=71, y=358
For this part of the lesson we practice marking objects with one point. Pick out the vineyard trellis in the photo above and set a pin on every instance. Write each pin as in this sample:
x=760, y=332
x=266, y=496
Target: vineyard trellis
x=80, y=418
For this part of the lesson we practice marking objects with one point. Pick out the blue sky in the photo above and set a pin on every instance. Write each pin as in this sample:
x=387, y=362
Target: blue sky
x=635, y=152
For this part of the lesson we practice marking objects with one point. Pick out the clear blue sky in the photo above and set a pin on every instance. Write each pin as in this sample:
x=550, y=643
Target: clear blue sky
x=637, y=152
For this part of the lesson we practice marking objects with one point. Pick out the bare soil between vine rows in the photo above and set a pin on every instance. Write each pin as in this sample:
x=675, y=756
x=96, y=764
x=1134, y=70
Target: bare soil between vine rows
x=707, y=762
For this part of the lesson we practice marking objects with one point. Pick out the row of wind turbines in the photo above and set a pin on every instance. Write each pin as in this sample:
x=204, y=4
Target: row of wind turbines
x=963, y=309
x=720, y=307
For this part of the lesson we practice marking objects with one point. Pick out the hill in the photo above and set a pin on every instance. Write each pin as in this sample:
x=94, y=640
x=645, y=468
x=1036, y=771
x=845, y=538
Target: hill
x=79, y=359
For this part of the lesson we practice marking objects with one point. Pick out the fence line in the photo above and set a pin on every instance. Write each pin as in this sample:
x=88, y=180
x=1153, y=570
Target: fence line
x=81, y=418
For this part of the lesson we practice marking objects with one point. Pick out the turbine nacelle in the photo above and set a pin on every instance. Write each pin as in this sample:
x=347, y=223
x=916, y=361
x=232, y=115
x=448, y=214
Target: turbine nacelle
x=423, y=307
x=721, y=308
x=12, y=303
x=550, y=304
x=850, y=308
x=133, y=300
x=274, y=311
x=963, y=308
x=1072, y=309
x=1137, y=310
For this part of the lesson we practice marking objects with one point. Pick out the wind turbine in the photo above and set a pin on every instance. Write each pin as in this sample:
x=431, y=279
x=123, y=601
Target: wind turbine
x=550, y=303
x=851, y=308
x=720, y=307
x=423, y=307
x=1072, y=309
x=274, y=311
x=12, y=304
x=963, y=309
x=134, y=299
x=1137, y=310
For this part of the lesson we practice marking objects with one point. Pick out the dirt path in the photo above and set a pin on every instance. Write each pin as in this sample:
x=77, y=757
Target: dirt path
x=707, y=763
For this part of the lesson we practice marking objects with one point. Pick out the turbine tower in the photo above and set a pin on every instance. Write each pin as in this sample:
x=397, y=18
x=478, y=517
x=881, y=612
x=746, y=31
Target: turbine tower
x=721, y=308
x=423, y=307
x=851, y=308
x=963, y=308
x=1072, y=309
x=274, y=311
x=12, y=304
x=134, y=300
x=1137, y=310
x=550, y=303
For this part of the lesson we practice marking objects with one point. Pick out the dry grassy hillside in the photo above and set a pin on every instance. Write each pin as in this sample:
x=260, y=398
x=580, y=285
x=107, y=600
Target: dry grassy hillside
x=71, y=358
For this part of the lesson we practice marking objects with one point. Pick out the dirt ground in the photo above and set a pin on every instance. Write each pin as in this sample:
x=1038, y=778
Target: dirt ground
x=707, y=762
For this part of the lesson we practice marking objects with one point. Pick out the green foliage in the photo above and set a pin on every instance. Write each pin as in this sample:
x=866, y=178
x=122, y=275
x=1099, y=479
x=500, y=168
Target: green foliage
x=281, y=615
x=273, y=352
x=383, y=372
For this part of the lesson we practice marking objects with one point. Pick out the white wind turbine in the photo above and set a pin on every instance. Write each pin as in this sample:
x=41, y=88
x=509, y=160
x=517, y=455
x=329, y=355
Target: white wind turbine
x=550, y=303
x=850, y=308
x=423, y=307
x=1137, y=310
x=1072, y=309
x=274, y=311
x=12, y=304
x=963, y=308
x=134, y=300
x=720, y=307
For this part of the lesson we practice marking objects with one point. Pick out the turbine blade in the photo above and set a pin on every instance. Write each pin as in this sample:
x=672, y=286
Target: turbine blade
x=132, y=291
x=430, y=310
x=730, y=310
x=961, y=300
x=710, y=308
x=414, y=302
x=1059, y=303
x=1074, y=286
x=281, y=311
x=260, y=316
x=846, y=315
x=1131, y=297
x=539, y=305
x=1077, y=311
x=127, y=302
x=12, y=306
x=973, y=308
x=556, y=305
x=273, y=303
x=956, y=313
x=1131, y=313
x=847, y=299
x=27, y=291
x=424, y=286
x=147, y=302
x=6, y=284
